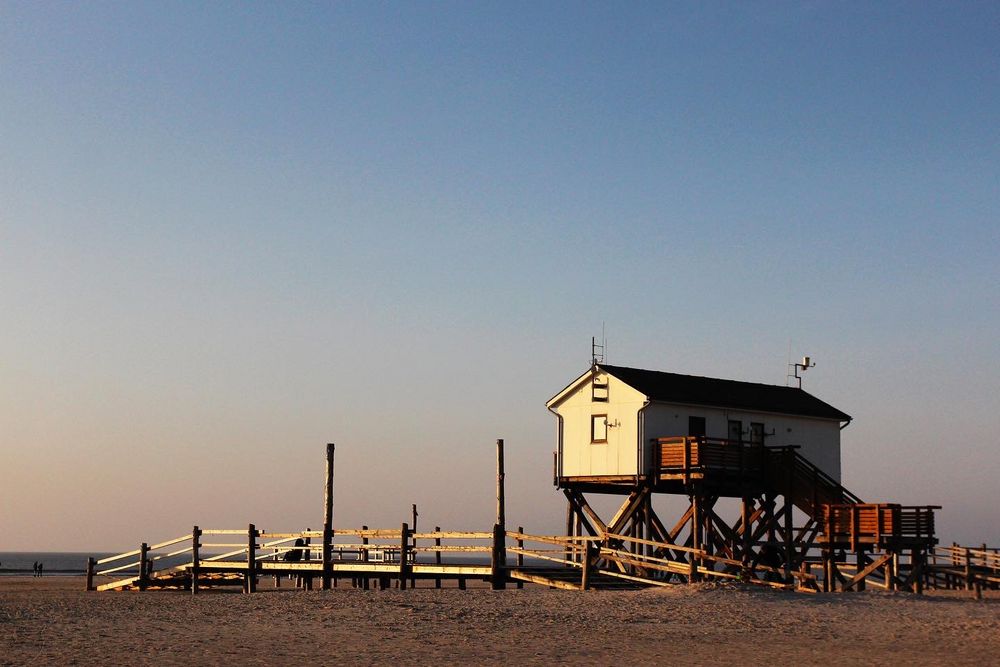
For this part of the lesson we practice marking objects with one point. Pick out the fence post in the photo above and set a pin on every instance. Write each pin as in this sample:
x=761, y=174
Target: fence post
x=413, y=532
x=195, y=558
x=498, y=564
x=588, y=561
x=404, y=548
x=250, y=584
x=365, y=584
x=520, y=553
x=968, y=570
x=143, y=566
x=437, y=556
x=90, y=573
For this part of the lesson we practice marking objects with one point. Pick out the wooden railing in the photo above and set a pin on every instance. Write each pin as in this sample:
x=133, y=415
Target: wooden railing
x=688, y=457
x=250, y=552
x=876, y=524
x=965, y=567
x=805, y=483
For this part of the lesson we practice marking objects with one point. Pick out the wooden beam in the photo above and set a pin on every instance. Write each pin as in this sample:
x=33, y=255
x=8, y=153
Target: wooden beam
x=863, y=574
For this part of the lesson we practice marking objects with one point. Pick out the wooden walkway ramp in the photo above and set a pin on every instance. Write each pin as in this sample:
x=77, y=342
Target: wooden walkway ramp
x=385, y=557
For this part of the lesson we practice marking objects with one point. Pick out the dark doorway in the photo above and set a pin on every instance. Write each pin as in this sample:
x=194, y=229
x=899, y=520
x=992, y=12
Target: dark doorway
x=735, y=430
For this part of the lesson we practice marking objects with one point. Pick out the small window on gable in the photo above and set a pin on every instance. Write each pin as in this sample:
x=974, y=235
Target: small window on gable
x=599, y=389
x=599, y=428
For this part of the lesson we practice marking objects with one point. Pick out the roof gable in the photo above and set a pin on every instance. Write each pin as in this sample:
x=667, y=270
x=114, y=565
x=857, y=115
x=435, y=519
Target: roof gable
x=696, y=390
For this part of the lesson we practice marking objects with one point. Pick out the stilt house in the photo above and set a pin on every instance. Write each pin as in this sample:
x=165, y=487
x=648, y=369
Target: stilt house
x=612, y=418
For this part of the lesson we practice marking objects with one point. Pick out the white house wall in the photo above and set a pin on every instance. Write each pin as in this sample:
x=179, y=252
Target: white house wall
x=619, y=455
x=818, y=439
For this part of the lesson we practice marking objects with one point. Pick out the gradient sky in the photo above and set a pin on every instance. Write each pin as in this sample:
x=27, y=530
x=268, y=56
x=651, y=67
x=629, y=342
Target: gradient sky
x=232, y=232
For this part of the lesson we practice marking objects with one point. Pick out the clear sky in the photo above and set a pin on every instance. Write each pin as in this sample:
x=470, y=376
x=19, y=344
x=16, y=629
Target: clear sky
x=233, y=232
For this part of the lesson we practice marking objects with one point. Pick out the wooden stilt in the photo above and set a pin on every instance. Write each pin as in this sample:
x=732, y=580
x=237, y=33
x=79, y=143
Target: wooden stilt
x=696, y=523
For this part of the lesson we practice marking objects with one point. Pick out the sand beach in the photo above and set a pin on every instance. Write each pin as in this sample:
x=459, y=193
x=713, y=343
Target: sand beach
x=53, y=620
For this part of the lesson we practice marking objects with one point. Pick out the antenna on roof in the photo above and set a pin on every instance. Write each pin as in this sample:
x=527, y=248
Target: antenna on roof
x=805, y=365
x=597, y=349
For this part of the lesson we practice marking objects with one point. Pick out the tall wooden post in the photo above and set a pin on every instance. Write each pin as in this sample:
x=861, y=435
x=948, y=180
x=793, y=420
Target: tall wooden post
x=195, y=558
x=498, y=559
x=143, y=566
x=250, y=583
x=499, y=552
x=404, y=548
x=91, y=562
x=501, y=513
x=413, y=580
x=327, y=552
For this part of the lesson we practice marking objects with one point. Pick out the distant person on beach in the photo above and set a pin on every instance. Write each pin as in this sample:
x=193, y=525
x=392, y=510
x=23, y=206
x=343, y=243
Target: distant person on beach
x=295, y=555
x=34, y=569
x=39, y=568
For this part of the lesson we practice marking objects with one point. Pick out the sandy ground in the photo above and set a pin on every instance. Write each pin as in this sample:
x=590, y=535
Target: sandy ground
x=53, y=621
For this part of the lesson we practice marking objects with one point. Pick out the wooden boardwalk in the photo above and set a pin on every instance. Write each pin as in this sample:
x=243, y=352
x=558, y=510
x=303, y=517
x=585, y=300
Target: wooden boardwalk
x=844, y=544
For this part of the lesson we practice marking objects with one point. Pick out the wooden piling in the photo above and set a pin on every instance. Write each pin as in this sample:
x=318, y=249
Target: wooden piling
x=404, y=548
x=91, y=562
x=968, y=570
x=327, y=550
x=195, y=558
x=501, y=510
x=250, y=583
x=143, y=566
x=413, y=580
x=498, y=559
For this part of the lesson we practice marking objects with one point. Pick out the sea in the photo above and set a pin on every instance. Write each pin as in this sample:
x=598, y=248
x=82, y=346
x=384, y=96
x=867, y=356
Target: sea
x=54, y=563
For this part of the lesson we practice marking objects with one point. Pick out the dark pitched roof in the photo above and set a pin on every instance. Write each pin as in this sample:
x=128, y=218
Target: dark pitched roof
x=692, y=389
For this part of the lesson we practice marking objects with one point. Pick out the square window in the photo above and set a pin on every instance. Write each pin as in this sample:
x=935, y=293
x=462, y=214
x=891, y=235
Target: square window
x=599, y=428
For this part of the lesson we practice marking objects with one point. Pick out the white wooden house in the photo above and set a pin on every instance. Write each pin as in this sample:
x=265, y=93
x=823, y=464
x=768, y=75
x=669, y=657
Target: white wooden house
x=609, y=417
